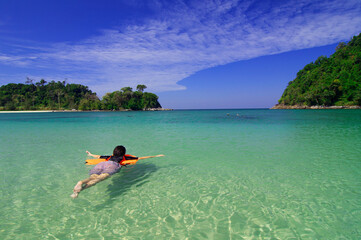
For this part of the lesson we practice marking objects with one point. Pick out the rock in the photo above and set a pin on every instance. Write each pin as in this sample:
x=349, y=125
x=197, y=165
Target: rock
x=282, y=106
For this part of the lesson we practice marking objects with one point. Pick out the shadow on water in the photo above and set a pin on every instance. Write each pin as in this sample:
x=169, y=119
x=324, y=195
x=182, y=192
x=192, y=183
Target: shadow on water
x=128, y=177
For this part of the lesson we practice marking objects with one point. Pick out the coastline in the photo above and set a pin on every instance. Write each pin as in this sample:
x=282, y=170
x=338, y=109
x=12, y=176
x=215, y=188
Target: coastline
x=282, y=106
x=51, y=111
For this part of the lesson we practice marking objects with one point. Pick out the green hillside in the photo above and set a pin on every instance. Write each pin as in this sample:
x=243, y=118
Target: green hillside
x=333, y=81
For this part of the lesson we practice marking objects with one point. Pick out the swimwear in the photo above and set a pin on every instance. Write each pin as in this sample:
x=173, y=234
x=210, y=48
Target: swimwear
x=109, y=167
x=119, y=159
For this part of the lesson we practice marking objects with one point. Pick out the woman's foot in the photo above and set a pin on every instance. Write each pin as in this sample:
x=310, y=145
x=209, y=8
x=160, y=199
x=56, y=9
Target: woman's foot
x=77, y=189
x=74, y=195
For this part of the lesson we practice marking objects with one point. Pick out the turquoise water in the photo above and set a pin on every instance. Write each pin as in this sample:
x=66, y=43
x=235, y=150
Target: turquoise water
x=251, y=174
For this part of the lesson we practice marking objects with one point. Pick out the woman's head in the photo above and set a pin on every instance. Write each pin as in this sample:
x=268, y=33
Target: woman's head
x=119, y=151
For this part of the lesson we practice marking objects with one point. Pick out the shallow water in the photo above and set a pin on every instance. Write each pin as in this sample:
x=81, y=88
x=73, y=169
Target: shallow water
x=248, y=174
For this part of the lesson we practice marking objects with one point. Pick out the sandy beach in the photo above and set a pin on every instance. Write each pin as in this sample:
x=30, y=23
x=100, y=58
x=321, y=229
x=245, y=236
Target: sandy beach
x=40, y=111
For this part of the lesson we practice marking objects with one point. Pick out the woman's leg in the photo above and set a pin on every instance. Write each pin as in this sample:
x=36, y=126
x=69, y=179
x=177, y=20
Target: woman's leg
x=91, y=181
x=95, y=180
x=79, y=186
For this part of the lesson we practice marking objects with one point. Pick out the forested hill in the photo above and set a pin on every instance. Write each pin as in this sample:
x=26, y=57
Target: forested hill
x=62, y=96
x=333, y=81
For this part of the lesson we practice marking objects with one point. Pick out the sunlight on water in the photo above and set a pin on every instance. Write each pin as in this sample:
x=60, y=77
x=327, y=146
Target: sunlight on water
x=227, y=174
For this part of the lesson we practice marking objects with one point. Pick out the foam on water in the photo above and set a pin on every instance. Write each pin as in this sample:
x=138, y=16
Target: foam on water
x=249, y=174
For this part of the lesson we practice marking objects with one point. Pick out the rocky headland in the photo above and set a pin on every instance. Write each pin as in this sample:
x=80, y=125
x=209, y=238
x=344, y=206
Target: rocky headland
x=282, y=106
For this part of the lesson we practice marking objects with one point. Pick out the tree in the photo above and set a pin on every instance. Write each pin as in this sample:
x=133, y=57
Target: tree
x=141, y=87
x=108, y=102
x=41, y=83
x=59, y=92
x=127, y=89
x=28, y=80
x=136, y=102
x=340, y=45
x=89, y=102
x=150, y=100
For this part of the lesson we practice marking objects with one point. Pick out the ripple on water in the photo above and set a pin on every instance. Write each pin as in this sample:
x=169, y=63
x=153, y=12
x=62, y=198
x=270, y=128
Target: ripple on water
x=262, y=175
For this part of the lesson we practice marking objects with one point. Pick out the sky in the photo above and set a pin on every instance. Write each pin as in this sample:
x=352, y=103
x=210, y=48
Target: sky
x=192, y=54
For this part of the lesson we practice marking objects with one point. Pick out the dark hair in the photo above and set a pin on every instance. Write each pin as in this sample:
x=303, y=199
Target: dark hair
x=119, y=151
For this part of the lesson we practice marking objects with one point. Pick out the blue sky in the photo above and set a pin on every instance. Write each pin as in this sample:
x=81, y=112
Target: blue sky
x=193, y=54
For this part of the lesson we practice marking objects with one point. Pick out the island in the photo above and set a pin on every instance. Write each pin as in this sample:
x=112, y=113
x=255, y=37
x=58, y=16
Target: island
x=327, y=83
x=62, y=96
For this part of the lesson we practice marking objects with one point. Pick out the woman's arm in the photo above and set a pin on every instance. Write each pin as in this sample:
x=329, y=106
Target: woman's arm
x=160, y=155
x=93, y=155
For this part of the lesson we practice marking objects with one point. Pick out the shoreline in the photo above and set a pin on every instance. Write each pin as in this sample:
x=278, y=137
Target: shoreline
x=282, y=106
x=124, y=110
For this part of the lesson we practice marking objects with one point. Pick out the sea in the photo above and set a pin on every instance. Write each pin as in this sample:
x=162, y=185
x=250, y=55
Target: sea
x=226, y=174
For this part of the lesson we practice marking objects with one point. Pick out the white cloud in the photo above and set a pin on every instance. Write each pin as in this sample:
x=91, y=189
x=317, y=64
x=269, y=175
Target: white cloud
x=189, y=38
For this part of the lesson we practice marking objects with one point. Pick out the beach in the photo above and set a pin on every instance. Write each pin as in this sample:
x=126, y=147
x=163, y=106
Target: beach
x=40, y=111
x=226, y=174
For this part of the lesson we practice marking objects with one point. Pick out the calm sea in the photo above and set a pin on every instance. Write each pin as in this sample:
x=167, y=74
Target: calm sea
x=227, y=174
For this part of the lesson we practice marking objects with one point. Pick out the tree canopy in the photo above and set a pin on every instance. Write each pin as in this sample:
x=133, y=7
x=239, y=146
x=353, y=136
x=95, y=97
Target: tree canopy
x=141, y=87
x=333, y=81
x=62, y=96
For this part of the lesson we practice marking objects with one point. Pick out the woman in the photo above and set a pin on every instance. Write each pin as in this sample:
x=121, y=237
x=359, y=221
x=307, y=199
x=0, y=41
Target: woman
x=105, y=169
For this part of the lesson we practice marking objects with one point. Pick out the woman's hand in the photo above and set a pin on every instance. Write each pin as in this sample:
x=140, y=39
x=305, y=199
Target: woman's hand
x=92, y=155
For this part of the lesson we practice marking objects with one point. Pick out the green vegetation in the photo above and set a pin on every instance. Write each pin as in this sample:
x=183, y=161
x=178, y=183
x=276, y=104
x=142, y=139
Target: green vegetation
x=62, y=96
x=333, y=81
x=127, y=99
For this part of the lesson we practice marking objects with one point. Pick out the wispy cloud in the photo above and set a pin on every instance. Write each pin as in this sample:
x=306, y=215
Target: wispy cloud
x=187, y=38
